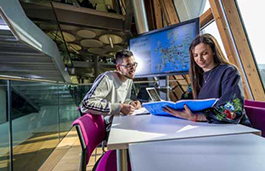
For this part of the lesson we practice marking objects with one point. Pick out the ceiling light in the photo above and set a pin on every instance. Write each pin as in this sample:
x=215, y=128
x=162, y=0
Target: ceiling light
x=58, y=36
x=114, y=49
x=111, y=42
x=72, y=47
x=98, y=51
x=106, y=39
x=91, y=43
x=88, y=34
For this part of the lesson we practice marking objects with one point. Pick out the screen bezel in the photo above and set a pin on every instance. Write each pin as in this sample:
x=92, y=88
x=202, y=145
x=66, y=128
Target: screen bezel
x=197, y=23
x=149, y=89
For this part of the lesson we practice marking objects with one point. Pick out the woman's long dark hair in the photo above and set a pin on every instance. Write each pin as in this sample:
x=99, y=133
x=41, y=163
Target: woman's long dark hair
x=196, y=73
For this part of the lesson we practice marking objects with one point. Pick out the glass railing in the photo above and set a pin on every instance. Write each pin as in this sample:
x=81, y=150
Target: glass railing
x=4, y=128
x=41, y=115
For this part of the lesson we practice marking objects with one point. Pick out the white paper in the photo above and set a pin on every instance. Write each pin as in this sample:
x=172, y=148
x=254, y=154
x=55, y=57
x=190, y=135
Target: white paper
x=140, y=111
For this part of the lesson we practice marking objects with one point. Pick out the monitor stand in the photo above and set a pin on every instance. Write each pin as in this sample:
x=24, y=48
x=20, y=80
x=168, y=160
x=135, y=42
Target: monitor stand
x=163, y=87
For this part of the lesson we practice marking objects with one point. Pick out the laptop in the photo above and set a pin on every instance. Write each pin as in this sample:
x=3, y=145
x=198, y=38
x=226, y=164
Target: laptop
x=153, y=94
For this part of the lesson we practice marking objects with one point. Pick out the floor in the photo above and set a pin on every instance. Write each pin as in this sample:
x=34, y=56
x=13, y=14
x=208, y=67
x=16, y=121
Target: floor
x=30, y=154
x=66, y=157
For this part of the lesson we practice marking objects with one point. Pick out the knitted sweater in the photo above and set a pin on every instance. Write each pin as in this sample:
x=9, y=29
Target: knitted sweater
x=223, y=82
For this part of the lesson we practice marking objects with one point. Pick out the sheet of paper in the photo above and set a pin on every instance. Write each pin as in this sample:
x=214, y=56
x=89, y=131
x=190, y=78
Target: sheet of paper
x=140, y=111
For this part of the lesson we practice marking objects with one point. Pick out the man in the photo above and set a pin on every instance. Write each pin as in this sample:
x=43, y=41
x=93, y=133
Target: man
x=111, y=91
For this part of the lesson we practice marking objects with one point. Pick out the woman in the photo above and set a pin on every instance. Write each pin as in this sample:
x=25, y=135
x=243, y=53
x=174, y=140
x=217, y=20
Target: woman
x=212, y=76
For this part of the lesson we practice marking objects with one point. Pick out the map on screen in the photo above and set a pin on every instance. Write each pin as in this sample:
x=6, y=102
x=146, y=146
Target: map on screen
x=164, y=51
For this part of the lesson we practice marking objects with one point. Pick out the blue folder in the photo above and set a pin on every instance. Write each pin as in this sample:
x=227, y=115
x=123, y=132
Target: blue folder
x=156, y=108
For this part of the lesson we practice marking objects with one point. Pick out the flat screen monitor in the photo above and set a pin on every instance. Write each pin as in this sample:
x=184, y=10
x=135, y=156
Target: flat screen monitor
x=164, y=51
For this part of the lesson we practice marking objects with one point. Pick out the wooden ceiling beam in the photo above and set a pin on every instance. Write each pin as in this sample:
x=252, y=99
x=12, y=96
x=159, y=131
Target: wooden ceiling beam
x=206, y=18
x=158, y=14
x=169, y=12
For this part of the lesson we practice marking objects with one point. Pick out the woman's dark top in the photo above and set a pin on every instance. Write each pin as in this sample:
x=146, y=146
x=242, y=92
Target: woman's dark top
x=223, y=82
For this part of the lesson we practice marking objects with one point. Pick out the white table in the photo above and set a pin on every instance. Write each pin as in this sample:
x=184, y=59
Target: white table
x=147, y=128
x=240, y=152
x=143, y=128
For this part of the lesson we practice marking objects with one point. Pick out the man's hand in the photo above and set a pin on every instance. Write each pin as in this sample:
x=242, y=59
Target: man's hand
x=127, y=109
x=136, y=104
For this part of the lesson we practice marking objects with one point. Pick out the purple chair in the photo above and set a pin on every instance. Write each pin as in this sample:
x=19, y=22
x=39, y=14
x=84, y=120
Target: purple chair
x=256, y=116
x=91, y=132
x=255, y=103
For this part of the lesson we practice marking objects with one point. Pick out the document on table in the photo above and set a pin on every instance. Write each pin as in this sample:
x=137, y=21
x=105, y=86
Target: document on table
x=140, y=111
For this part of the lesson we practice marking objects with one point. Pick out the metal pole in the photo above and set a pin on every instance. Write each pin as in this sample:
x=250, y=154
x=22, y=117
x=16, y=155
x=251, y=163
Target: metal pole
x=140, y=16
x=9, y=116
x=122, y=164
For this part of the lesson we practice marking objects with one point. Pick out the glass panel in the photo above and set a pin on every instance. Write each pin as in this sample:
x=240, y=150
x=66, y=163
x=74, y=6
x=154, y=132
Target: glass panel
x=4, y=140
x=213, y=30
x=250, y=11
x=69, y=99
x=35, y=123
x=207, y=6
x=189, y=9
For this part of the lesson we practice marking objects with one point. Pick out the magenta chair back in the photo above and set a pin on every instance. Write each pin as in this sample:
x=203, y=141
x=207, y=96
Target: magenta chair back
x=256, y=116
x=108, y=162
x=91, y=132
x=255, y=103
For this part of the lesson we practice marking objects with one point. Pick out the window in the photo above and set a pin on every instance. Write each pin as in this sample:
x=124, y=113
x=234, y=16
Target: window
x=250, y=10
x=189, y=9
x=212, y=29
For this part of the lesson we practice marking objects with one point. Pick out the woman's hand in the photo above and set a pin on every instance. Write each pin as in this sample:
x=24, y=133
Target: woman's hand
x=186, y=113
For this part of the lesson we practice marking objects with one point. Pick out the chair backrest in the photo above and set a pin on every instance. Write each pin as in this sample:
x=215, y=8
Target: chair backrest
x=108, y=162
x=93, y=132
x=256, y=116
x=255, y=103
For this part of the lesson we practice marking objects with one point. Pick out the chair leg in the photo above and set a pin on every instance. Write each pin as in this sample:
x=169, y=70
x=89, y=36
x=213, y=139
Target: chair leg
x=96, y=154
x=83, y=160
x=103, y=145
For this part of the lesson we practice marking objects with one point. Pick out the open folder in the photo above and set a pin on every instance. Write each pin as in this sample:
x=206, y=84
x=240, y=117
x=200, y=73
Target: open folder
x=156, y=108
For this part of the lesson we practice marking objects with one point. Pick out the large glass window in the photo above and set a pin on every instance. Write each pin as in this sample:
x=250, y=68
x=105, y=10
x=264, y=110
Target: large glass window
x=213, y=30
x=207, y=6
x=250, y=11
x=189, y=9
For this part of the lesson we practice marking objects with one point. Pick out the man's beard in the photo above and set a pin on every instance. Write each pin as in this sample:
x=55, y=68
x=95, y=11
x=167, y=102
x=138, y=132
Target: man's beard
x=127, y=77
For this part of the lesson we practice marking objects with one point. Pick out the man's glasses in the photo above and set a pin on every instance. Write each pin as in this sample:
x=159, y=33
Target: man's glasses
x=130, y=65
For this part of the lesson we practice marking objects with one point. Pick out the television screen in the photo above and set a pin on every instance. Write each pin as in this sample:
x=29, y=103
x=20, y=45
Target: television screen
x=164, y=51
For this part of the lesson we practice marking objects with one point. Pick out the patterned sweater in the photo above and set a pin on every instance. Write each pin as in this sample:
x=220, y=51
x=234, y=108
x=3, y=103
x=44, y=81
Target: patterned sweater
x=223, y=82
